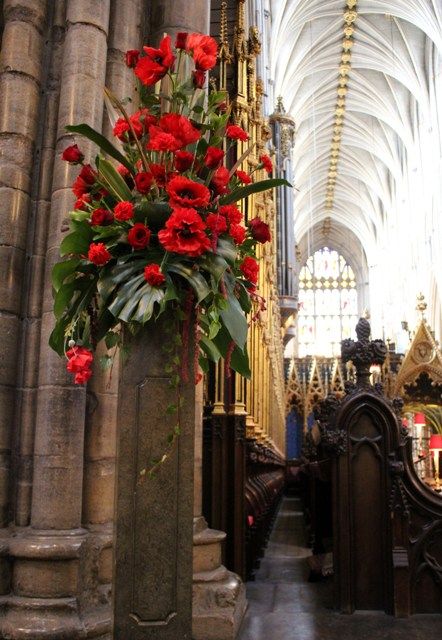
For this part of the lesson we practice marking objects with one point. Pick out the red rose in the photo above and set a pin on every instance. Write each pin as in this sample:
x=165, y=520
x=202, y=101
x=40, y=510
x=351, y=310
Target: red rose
x=153, y=275
x=236, y=133
x=173, y=132
x=81, y=202
x=181, y=39
x=155, y=63
x=187, y=193
x=101, y=218
x=216, y=223
x=220, y=180
x=84, y=182
x=183, y=160
x=204, y=50
x=250, y=269
x=266, y=163
x=72, y=154
x=199, y=79
x=124, y=210
x=213, y=157
x=238, y=233
x=98, y=254
x=243, y=177
x=139, y=236
x=232, y=213
x=143, y=181
x=260, y=230
x=184, y=233
x=131, y=58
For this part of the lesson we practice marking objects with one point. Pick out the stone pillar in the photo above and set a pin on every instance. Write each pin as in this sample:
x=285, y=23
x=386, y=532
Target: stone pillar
x=153, y=535
x=219, y=600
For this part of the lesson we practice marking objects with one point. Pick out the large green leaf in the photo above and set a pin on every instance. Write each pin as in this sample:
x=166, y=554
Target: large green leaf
x=256, y=187
x=62, y=270
x=119, y=274
x=78, y=241
x=209, y=348
x=214, y=264
x=149, y=295
x=239, y=359
x=195, y=279
x=113, y=181
x=234, y=319
x=227, y=250
x=125, y=294
x=104, y=144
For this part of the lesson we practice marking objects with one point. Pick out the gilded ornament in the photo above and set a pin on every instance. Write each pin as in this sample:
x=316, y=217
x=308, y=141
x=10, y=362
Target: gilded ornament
x=342, y=91
x=350, y=17
x=347, y=44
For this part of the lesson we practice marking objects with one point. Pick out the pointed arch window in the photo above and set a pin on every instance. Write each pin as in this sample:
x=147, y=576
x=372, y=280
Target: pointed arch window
x=328, y=304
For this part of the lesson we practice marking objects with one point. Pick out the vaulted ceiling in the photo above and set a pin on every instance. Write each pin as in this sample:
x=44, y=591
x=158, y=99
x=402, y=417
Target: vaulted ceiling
x=359, y=79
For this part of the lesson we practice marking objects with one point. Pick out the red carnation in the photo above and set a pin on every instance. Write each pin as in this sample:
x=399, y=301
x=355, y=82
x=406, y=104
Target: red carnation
x=232, y=213
x=131, y=58
x=72, y=154
x=236, y=133
x=124, y=211
x=198, y=79
x=243, y=177
x=220, y=180
x=84, y=182
x=98, y=254
x=260, y=230
x=216, y=223
x=156, y=63
x=139, y=236
x=183, y=160
x=173, y=132
x=181, y=39
x=187, y=193
x=143, y=181
x=82, y=201
x=122, y=129
x=213, y=157
x=250, y=269
x=184, y=233
x=238, y=233
x=266, y=163
x=159, y=173
x=204, y=50
x=101, y=218
x=153, y=275
x=79, y=362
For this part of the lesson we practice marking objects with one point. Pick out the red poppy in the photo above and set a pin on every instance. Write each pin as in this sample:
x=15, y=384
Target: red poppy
x=184, y=233
x=232, y=213
x=198, y=79
x=250, y=269
x=124, y=211
x=187, y=193
x=216, y=223
x=173, y=132
x=213, y=157
x=155, y=63
x=131, y=58
x=139, y=236
x=183, y=160
x=238, y=233
x=236, y=133
x=266, y=163
x=204, y=50
x=260, y=230
x=220, y=180
x=153, y=275
x=243, y=177
x=98, y=254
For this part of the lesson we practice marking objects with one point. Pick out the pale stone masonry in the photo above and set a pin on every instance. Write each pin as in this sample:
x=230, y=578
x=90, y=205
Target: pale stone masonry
x=57, y=441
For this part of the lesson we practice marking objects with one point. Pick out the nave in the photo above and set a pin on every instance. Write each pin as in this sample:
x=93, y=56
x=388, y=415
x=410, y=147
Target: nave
x=283, y=605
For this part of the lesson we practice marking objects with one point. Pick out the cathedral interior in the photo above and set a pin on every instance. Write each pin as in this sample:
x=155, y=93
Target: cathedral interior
x=302, y=501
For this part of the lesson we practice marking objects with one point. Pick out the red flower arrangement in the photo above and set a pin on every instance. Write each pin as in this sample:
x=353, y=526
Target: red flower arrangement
x=161, y=227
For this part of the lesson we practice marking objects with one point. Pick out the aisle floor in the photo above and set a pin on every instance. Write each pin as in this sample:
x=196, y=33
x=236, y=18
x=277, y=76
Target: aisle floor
x=284, y=606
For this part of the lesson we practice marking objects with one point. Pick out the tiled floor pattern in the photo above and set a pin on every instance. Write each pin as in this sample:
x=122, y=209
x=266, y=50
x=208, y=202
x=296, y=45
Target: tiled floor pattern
x=284, y=606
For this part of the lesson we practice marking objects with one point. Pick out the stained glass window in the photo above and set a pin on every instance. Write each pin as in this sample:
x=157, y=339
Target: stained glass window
x=328, y=304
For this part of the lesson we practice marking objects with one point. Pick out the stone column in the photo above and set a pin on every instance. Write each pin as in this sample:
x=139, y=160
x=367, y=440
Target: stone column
x=219, y=599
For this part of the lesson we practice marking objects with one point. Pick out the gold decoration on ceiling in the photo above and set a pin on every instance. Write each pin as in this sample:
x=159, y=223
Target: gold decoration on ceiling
x=344, y=68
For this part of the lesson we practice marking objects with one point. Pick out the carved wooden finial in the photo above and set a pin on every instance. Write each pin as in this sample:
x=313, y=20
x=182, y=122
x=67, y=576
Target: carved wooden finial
x=421, y=304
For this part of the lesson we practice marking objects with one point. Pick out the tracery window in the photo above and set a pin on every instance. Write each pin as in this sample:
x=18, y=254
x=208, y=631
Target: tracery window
x=328, y=304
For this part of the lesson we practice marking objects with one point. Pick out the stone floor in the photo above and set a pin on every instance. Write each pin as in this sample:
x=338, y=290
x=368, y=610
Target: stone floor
x=284, y=606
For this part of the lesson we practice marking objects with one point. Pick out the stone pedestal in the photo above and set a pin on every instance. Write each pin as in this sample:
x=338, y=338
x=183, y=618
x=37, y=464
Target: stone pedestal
x=153, y=540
